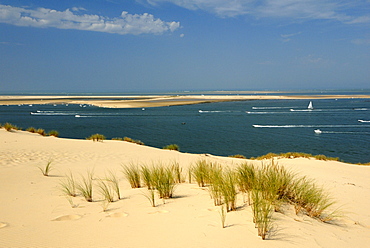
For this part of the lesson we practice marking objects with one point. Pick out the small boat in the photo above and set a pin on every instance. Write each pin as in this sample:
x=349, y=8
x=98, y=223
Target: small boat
x=77, y=116
x=318, y=131
x=310, y=107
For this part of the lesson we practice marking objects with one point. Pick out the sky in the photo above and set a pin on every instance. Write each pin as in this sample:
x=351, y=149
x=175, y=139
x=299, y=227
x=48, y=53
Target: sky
x=183, y=45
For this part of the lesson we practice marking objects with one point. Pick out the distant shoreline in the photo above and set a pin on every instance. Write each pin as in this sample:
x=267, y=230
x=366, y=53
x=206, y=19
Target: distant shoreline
x=147, y=101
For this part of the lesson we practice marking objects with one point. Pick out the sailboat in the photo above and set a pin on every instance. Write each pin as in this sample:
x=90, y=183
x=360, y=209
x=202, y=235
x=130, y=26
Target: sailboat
x=310, y=107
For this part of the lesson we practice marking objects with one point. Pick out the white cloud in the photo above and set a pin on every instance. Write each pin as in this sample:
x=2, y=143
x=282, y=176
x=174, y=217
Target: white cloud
x=69, y=19
x=296, y=9
x=287, y=37
x=314, y=59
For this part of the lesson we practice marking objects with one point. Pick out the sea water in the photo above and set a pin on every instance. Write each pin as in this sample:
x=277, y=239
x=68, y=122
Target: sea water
x=251, y=128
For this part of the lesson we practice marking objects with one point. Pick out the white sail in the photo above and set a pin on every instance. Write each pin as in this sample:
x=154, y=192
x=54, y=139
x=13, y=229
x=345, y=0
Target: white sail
x=310, y=105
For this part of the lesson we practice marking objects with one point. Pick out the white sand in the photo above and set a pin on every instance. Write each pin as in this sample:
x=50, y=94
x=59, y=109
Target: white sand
x=34, y=212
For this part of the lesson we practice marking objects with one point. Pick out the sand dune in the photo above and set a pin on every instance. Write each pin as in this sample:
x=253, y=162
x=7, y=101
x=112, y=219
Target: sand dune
x=35, y=213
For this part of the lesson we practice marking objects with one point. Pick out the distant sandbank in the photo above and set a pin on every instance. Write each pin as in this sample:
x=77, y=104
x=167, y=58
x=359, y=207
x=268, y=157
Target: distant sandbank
x=155, y=100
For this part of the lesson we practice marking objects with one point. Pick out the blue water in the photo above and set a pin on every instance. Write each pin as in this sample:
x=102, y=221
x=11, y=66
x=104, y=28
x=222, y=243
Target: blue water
x=250, y=128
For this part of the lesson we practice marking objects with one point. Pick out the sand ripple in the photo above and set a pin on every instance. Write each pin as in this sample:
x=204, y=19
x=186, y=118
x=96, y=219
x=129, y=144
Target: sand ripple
x=68, y=217
x=159, y=212
x=118, y=215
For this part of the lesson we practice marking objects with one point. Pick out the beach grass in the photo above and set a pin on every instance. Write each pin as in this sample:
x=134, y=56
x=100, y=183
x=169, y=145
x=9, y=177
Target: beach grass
x=85, y=186
x=133, y=141
x=113, y=179
x=173, y=147
x=228, y=189
x=216, y=182
x=132, y=174
x=31, y=130
x=53, y=133
x=312, y=200
x=246, y=177
x=8, y=127
x=68, y=185
x=41, y=132
x=147, y=176
x=150, y=195
x=163, y=181
x=105, y=190
x=295, y=155
x=177, y=170
x=47, y=168
x=201, y=172
x=96, y=137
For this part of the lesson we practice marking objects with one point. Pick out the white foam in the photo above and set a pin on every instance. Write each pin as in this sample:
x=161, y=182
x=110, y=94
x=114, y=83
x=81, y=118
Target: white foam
x=305, y=126
x=272, y=107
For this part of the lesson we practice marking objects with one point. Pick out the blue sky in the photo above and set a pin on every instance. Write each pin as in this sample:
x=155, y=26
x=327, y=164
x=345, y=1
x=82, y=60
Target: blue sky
x=167, y=45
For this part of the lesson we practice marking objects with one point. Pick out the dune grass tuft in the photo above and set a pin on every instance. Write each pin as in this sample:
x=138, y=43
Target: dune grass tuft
x=41, y=132
x=113, y=179
x=163, y=181
x=105, y=190
x=96, y=137
x=132, y=174
x=85, y=187
x=246, y=176
x=8, y=127
x=201, y=172
x=47, y=168
x=228, y=189
x=312, y=200
x=147, y=176
x=216, y=185
x=68, y=186
x=31, y=130
x=177, y=170
x=262, y=212
x=53, y=133
x=150, y=195
x=133, y=141
x=296, y=155
x=172, y=147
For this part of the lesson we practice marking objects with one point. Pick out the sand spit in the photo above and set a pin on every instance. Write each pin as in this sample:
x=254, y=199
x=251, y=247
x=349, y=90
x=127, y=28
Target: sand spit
x=154, y=101
x=35, y=213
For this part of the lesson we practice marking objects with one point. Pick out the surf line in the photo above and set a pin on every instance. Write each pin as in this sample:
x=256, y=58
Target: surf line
x=305, y=126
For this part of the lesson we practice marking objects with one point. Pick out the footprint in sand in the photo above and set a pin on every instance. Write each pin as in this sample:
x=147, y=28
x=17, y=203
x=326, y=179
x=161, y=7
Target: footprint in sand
x=2, y=224
x=159, y=212
x=68, y=217
x=118, y=215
